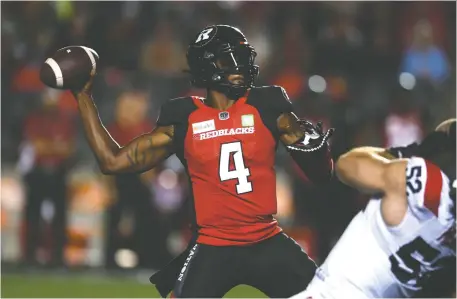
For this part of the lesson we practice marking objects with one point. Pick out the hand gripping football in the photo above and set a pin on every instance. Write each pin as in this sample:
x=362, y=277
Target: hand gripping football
x=69, y=68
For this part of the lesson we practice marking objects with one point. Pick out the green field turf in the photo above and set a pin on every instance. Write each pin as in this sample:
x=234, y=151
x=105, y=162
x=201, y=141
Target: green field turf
x=40, y=286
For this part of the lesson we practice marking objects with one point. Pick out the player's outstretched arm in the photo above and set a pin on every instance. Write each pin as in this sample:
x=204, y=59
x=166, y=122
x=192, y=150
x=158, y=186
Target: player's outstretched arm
x=141, y=154
x=365, y=169
x=368, y=171
x=307, y=144
x=385, y=153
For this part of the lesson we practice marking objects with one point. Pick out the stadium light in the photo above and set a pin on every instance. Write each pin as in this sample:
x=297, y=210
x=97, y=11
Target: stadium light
x=407, y=81
x=168, y=179
x=126, y=258
x=317, y=84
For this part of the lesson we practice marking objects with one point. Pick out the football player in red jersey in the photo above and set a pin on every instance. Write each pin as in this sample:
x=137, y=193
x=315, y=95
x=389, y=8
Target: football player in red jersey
x=227, y=142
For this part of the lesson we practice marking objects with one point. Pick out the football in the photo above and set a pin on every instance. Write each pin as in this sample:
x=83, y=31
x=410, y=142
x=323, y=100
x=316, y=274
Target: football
x=69, y=67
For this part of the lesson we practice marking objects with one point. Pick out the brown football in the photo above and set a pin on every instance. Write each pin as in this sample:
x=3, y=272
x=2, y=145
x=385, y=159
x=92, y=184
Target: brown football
x=69, y=67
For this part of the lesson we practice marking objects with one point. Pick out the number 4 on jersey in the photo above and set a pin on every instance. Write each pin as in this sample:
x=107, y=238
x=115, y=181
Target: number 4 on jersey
x=240, y=172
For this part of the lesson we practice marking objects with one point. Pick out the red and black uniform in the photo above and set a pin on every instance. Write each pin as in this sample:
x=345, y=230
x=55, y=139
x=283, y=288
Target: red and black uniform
x=230, y=158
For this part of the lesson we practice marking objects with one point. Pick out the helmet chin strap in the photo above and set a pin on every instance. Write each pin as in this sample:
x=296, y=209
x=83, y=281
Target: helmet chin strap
x=232, y=91
x=237, y=92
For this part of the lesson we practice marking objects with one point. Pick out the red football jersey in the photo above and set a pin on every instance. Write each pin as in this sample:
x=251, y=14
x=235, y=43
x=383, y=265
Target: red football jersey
x=230, y=159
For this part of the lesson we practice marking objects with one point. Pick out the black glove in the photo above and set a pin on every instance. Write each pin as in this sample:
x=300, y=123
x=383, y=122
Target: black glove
x=314, y=140
x=432, y=143
x=404, y=151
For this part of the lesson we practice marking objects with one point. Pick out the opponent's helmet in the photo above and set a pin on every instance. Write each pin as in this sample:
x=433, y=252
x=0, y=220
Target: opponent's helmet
x=217, y=52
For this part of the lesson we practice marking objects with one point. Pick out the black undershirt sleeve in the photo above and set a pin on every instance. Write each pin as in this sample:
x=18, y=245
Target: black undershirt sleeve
x=283, y=104
x=168, y=114
x=271, y=102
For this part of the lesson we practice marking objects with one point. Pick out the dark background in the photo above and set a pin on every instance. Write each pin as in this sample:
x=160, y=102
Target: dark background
x=381, y=73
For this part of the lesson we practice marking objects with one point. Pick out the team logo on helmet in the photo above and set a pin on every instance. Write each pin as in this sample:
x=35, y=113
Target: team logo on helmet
x=205, y=36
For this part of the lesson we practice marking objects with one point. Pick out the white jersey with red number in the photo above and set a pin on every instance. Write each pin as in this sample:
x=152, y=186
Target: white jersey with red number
x=373, y=260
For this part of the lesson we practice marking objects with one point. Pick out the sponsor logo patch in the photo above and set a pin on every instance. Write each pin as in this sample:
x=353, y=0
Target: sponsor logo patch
x=204, y=126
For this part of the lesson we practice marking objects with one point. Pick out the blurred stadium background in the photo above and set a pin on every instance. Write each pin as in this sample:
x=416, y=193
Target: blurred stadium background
x=381, y=73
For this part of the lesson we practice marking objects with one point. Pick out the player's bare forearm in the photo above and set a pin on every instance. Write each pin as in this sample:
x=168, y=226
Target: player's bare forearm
x=101, y=143
x=366, y=169
x=139, y=155
x=144, y=152
x=377, y=150
x=316, y=163
x=361, y=168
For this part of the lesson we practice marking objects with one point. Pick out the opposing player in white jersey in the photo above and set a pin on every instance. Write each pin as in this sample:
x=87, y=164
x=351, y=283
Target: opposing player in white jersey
x=405, y=235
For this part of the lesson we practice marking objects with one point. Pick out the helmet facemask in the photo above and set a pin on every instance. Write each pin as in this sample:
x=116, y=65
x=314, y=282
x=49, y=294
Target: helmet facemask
x=216, y=66
x=235, y=61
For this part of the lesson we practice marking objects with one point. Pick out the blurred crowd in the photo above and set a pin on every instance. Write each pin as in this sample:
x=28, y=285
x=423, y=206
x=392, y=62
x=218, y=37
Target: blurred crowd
x=381, y=73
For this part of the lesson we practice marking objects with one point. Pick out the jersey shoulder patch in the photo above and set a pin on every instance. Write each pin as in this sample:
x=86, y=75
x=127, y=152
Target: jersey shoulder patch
x=175, y=111
x=427, y=189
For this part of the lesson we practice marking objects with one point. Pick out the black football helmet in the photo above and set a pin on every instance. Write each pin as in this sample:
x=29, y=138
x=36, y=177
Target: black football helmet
x=217, y=52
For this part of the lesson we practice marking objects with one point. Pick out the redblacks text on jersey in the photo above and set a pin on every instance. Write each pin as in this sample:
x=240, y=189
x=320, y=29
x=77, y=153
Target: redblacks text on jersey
x=230, y=157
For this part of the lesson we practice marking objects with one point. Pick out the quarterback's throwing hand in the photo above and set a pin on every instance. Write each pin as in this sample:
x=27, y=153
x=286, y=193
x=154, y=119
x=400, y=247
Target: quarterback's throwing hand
x=87, y=89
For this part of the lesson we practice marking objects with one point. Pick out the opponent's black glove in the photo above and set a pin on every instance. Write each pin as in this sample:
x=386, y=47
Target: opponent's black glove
x=432, y=143
x=314, y=140
x=404, y=151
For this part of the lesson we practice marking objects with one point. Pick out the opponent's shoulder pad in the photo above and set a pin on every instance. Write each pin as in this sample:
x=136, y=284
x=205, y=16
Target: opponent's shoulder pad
x=272, y=97
x=175, y=111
